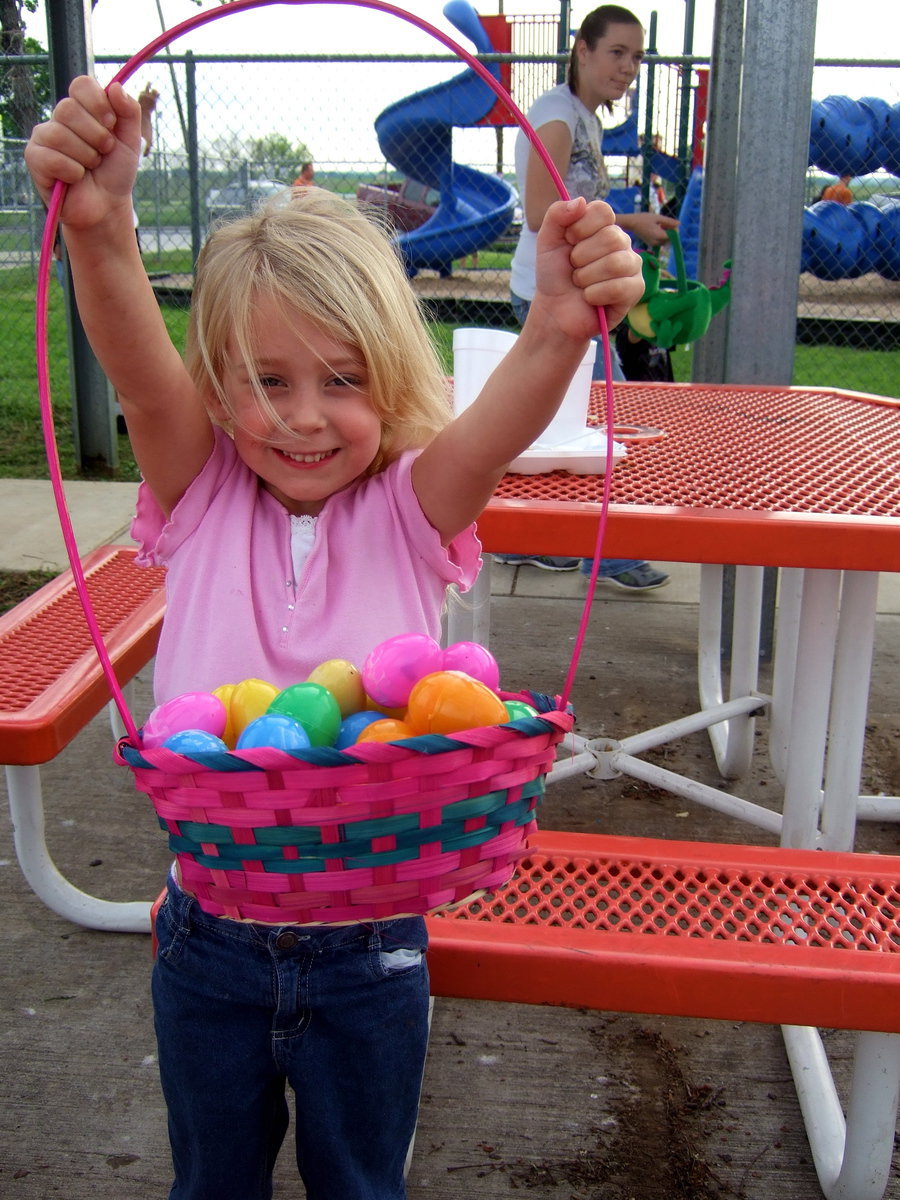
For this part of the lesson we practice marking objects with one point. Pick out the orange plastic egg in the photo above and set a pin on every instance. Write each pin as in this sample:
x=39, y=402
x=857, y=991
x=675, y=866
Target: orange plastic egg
x=388, y=730
x=448, y=701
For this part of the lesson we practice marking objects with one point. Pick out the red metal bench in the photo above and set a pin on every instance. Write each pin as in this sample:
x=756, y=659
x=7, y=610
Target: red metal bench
x=52, y=686
x=792, y=937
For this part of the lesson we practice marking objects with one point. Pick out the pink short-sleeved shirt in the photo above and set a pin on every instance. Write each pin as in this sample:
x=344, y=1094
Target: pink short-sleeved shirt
x=234, y=610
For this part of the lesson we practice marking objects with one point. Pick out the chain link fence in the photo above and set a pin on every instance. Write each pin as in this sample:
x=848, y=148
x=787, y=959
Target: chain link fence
x=401, y=136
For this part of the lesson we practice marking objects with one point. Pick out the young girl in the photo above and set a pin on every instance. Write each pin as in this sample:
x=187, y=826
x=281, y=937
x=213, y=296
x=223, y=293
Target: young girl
x=306, y=488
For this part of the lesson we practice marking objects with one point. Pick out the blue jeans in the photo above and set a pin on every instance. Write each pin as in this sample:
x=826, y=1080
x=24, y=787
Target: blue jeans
x=338, y=1011
x=608, y=566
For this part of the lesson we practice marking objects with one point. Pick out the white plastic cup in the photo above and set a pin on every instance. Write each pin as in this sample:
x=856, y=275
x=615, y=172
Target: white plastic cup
x=476, y=353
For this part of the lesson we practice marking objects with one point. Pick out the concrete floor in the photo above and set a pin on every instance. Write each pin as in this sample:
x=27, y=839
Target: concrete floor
x=558, y=1104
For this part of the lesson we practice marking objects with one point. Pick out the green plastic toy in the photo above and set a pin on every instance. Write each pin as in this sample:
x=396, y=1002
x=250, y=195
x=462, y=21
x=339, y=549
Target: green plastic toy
x=674, y=312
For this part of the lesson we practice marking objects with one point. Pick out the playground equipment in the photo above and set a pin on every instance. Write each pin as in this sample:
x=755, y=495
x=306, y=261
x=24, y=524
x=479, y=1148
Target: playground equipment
x=847, y=137
x=476, y=207
x=854, y=137
x=415, y=134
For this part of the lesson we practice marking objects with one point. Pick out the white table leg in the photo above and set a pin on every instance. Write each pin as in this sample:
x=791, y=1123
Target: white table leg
x=790, y=594
x=852, y=1156
x=811, y=697
x=849, y=705
x=732, y=740
x=27, y=808
x=469, y=615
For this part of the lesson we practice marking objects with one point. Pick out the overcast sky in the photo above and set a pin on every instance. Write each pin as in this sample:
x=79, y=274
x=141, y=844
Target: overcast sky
x=126, y=26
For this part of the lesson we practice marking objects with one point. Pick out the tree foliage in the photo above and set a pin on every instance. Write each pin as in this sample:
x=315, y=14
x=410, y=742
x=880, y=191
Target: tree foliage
x=277, y=156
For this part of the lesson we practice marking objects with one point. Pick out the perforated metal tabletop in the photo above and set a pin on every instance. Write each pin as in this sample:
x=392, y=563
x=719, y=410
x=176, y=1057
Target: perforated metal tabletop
x=722, y=473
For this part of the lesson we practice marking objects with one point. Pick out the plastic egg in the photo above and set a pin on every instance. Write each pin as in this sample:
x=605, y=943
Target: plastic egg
x=473, y=659
x=387, y=730
x=344, y=681
x=449, y=701
x=353, y=725
x=224, y=692
x=517, y=709
x=194, y=741
x=385, y=710
x=391, y=669
x=275, y=730
x=249, y=700
x=314, y=707
x=190, y=710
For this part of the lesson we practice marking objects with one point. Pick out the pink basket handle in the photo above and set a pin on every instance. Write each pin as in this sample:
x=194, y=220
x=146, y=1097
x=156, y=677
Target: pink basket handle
x=42, y=342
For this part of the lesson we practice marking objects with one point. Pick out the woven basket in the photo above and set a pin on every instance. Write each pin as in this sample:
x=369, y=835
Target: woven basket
x=378, y=831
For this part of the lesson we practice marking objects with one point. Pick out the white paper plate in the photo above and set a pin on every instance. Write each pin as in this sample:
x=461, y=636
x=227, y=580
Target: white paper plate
x=585, y=455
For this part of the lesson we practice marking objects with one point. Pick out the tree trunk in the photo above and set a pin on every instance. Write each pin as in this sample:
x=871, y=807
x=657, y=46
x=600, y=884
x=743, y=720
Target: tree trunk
x=22, y=110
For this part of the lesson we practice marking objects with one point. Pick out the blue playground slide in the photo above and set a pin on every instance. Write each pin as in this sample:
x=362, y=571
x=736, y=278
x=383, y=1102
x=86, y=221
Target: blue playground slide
x=415, y=134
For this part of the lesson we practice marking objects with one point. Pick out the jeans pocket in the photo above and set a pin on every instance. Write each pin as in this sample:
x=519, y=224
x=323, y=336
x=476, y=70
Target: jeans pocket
x=171, y=934
x=403, y=959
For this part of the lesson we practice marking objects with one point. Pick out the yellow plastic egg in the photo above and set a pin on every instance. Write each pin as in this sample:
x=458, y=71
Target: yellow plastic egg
x=344, y=681
x=249, y=700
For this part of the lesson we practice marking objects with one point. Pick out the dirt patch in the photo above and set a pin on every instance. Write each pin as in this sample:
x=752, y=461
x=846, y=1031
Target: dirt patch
x=651, y=1144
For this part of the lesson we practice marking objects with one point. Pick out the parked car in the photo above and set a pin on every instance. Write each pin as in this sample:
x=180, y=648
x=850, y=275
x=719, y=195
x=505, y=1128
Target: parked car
x=406, y=205
x=238, y=198
x=409, y=204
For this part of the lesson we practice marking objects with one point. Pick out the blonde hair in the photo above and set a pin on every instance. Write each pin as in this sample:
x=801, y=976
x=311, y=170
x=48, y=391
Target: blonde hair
x=325, y=262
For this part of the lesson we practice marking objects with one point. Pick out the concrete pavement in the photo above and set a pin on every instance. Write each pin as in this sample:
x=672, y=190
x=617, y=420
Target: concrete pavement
x=561, y=1104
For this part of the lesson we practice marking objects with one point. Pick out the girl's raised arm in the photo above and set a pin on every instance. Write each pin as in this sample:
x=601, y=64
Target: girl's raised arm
x=583, y=261
x=92, y=143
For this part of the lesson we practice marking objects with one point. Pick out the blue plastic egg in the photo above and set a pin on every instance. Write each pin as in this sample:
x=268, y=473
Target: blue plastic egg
x=352, y=727
x=276, y=730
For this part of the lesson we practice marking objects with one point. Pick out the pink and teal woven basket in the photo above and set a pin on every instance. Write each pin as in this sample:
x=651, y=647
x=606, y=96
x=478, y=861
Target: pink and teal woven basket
x=373, y=832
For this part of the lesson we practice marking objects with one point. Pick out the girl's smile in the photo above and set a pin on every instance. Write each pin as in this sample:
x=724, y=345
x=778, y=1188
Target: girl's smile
x=300, y=412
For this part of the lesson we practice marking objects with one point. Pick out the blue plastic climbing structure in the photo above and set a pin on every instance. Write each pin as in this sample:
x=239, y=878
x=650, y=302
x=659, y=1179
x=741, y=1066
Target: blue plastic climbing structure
x=847, y=137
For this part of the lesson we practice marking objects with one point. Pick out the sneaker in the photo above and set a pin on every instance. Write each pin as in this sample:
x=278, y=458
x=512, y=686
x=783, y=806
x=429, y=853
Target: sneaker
x=545, y=562
x=643, y=578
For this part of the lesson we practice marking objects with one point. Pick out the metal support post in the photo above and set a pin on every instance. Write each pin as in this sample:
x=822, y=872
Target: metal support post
x=762, y=316
x=93, y=414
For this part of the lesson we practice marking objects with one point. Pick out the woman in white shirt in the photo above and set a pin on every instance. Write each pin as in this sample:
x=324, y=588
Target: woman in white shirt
x=604, y=62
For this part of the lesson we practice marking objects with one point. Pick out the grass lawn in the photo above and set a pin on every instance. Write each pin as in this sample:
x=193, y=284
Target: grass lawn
x=17, y=585
x=21, y=443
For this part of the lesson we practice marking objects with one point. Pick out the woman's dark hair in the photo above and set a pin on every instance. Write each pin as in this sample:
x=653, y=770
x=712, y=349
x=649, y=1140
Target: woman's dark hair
x=594, y=27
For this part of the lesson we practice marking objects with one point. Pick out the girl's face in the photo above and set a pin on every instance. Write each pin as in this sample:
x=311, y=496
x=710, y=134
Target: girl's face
x=319, y=389
x=608, y=71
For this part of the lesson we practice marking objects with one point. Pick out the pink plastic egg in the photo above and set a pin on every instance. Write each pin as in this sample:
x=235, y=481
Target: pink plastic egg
x=473, y=659
x=190, y=710
x=393, y=667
